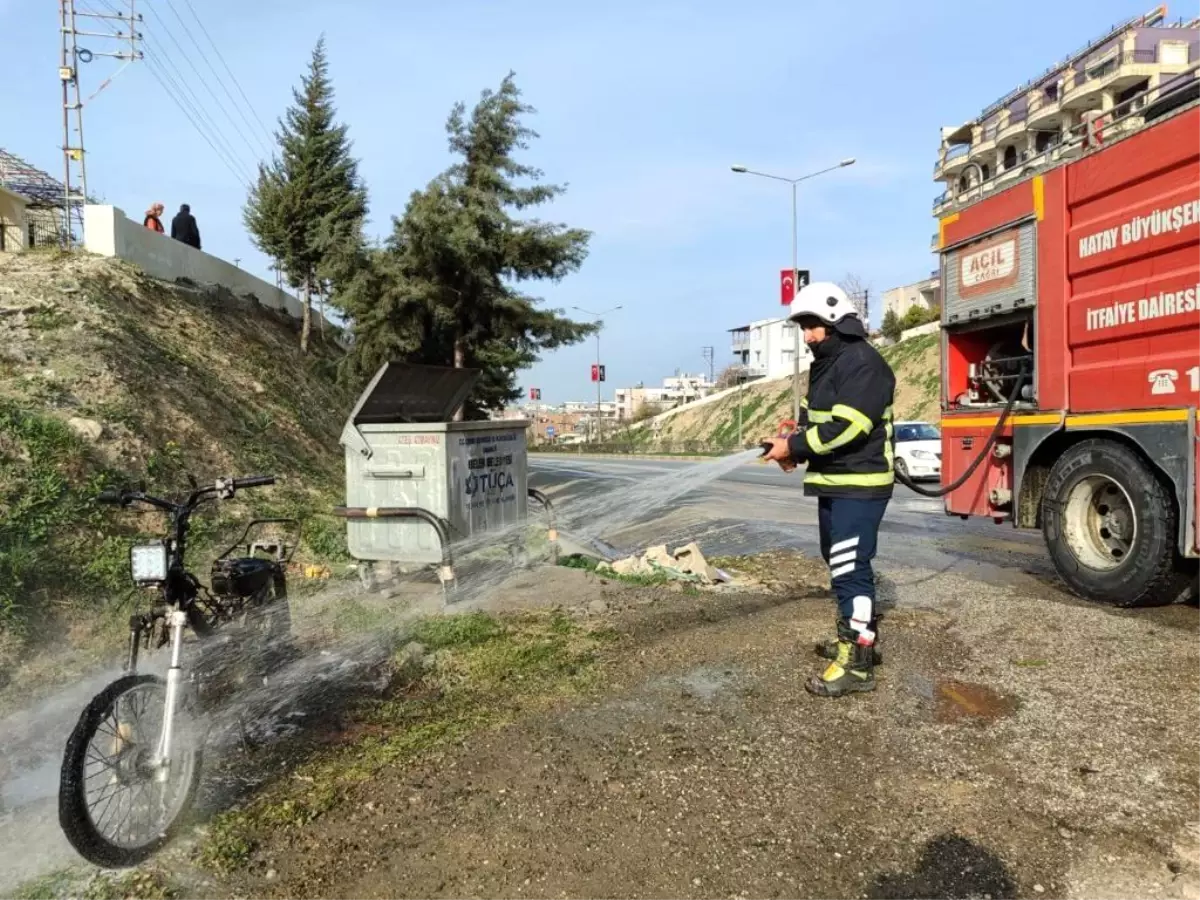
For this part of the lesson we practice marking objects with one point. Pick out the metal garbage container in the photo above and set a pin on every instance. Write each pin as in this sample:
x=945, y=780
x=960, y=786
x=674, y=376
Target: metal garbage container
x=403, y=450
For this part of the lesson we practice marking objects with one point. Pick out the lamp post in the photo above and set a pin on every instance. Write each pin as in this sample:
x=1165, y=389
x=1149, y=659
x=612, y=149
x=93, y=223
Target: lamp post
x=742, y=170
x=599, y=325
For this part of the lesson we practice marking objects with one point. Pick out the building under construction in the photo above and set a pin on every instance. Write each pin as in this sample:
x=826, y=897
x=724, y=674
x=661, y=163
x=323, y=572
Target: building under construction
x=36, y=210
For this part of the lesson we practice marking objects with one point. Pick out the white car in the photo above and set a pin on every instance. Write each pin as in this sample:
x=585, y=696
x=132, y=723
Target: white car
x=918, y=450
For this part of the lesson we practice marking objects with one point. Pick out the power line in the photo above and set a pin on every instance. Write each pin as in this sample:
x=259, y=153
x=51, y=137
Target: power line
x=211, y=68
x=198, y=113
x=203, y=83
x=250, y=106
x=179, y=97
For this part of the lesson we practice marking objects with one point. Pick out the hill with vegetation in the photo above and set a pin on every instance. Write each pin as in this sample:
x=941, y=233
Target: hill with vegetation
x=764, y=405
x=110, y=377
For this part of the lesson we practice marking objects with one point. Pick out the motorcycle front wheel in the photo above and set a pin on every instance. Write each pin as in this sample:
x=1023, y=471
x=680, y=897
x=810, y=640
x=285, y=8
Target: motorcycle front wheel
x=114, y=805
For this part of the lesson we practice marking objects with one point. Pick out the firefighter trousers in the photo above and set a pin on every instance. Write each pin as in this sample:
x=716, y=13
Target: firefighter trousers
x=849, y=529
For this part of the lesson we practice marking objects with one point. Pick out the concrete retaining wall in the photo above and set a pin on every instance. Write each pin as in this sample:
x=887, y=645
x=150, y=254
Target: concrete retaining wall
x=928, y=328
x=109, y=232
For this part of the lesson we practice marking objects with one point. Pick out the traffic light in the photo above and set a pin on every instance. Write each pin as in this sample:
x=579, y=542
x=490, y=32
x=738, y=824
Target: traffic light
x=595, y=372
x=602, y=373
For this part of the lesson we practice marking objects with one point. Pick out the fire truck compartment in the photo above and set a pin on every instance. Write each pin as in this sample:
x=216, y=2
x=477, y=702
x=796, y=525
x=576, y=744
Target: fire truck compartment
x=983, y=360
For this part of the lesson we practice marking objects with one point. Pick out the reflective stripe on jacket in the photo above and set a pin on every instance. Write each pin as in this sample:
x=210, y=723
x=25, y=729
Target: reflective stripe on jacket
x=848, y=442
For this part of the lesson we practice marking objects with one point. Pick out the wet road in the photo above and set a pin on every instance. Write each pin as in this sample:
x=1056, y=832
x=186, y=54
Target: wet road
x=757, y=507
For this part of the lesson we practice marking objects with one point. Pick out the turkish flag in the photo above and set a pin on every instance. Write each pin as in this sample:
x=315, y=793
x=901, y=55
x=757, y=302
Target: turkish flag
x=787, y=286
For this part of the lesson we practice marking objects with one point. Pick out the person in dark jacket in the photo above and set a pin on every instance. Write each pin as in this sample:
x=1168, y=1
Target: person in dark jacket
x=846, y=441
x=184, y=227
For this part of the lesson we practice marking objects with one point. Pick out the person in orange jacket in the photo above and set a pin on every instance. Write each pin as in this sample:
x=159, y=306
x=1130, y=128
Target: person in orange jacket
x=153, y=219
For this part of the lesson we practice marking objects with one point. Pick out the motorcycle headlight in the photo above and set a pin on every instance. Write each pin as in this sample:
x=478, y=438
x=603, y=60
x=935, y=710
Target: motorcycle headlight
x=148, y=563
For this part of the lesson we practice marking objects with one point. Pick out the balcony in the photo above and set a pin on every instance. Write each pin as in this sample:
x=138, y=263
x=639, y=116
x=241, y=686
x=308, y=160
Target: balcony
x=1116, y=71
x=1013, y=124
x=1043, y=109
x=987, y=139
x=953, y=159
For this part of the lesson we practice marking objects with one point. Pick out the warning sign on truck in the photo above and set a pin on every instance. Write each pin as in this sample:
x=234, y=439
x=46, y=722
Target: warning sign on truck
x=990, y=266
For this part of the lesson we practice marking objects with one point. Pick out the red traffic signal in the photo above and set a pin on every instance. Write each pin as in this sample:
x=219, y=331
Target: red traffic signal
x=595, y=372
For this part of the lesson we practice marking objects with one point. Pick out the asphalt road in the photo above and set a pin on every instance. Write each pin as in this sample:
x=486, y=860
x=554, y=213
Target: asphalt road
x=758, y=507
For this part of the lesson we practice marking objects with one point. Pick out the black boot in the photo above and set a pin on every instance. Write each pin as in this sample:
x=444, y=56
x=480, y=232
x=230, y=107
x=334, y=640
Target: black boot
x=852, y=669
x=829, y=649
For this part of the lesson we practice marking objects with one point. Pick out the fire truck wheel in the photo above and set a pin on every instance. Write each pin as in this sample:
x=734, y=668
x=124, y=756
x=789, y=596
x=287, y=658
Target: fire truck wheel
x=1110, y=526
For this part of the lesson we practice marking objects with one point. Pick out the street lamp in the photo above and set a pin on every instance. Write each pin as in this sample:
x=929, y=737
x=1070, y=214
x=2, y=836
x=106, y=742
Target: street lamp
x=742, y=170
x=599, y=324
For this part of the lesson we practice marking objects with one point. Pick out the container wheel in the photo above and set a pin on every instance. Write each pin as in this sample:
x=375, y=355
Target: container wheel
x=1110, y=526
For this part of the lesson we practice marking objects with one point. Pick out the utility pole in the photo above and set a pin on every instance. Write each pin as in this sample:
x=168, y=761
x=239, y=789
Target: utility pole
x=74, y=153
x=708, y=358
x=599, y=367
x=742, y=170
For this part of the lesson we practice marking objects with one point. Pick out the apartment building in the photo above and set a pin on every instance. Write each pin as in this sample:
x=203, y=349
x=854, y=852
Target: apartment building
x=675, y=391
x=1099, y=89
x=766, y=348
x=924, y=294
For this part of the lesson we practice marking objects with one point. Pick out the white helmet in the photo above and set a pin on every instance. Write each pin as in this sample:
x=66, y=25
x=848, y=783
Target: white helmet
x=822, y=300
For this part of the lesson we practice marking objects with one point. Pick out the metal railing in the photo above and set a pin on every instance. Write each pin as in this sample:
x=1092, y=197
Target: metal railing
x=1110, y=65
x=953, y=152
x=1112, y=33
x=1038, y=101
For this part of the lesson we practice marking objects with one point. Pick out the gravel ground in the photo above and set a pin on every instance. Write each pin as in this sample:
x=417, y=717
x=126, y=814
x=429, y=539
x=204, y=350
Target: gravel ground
x=1016, y=746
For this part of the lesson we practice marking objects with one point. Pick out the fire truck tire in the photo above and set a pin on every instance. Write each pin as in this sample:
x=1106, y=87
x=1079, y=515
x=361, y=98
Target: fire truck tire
x=1110, y=526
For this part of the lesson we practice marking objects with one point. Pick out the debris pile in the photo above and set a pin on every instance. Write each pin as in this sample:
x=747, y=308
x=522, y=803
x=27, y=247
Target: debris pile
x=687, y=563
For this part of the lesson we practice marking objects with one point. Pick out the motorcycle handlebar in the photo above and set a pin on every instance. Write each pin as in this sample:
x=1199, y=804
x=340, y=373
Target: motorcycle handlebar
x=252, y=481
x=120, y=497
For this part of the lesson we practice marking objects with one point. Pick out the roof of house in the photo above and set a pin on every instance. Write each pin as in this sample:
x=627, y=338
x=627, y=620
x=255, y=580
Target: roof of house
x=30, y=182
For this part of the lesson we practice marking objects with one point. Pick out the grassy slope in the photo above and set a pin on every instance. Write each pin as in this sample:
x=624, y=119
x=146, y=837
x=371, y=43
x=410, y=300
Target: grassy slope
x=178, y=381
x=764, y=406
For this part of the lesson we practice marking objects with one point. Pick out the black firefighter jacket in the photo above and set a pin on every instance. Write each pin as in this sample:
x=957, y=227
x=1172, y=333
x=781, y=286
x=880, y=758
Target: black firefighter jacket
x=848, y=442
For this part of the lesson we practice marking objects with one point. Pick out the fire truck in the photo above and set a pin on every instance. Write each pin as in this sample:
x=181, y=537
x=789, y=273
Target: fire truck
x=1071, y=350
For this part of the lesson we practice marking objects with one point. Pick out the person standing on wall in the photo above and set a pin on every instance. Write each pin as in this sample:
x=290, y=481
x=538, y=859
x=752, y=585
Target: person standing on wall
x=153, y=219
x=847, y=444
x=184, y=227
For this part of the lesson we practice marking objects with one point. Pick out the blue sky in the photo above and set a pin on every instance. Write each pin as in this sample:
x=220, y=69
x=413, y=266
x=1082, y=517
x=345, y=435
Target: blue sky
x=642, y=108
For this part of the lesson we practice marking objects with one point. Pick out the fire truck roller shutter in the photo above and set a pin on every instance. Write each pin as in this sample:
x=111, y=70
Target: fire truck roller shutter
x=991, y=274
x=1111, y=519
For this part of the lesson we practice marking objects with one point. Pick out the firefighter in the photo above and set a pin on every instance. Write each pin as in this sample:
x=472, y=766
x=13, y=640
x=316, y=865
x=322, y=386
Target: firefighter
x=845, y=438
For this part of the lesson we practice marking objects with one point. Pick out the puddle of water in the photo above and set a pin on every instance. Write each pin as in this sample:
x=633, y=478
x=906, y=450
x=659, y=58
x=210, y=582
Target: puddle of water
x=705, y=683
x=957, y=701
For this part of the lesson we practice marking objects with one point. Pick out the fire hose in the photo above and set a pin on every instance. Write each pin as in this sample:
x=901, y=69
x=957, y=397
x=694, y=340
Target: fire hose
x=945, y=489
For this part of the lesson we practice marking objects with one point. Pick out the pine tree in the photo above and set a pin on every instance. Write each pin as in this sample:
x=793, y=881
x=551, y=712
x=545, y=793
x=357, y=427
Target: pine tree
x=456, y=256
x=891, y=326
x=308, y=205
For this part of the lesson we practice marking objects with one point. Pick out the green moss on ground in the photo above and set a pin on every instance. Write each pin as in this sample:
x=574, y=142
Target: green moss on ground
x=478, y=671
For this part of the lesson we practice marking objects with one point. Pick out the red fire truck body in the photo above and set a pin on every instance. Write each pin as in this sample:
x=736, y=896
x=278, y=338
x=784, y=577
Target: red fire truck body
x=1085, y=277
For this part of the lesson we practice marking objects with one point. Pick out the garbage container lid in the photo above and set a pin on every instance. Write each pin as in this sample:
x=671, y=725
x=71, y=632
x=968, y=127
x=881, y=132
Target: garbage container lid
x=407, y=392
